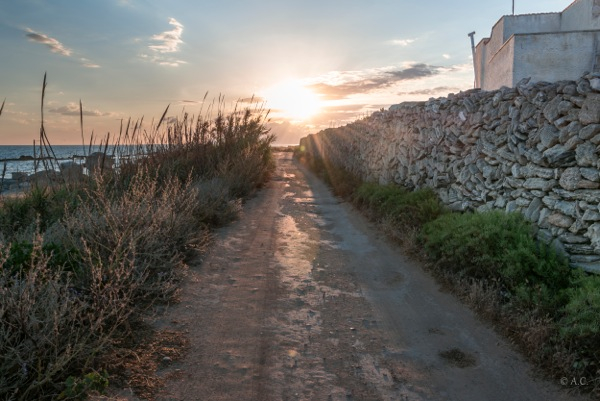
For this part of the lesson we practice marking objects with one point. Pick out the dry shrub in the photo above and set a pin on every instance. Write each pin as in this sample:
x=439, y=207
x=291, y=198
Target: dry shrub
x=157, y=224
x=247, y=169
x=51, y=329
x=126, y=233
x=216, y=206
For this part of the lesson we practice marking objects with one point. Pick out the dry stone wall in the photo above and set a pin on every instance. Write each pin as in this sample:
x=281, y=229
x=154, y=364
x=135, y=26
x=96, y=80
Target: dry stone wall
x=533, y=149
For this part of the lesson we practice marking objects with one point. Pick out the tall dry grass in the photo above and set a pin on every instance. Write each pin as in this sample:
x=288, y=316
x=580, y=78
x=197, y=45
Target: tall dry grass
x=80, y=263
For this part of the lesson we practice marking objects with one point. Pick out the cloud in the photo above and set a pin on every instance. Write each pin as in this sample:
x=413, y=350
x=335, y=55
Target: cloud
x=287, y=133
x=360, y=82
x=72, y=109
x=349, y=108
x=168, y=63
x=415, y=71
x=446, y=56
x=87, y=63
x=402, y=42
x=166, y=43
x=54, y=45
x=253, y=99
x=440, y=90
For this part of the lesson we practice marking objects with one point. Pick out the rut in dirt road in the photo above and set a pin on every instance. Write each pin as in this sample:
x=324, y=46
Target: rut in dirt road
x=301, y=300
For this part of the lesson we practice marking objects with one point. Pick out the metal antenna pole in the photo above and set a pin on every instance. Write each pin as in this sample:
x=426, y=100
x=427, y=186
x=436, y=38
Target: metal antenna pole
x=513, y=7
x=471, y=35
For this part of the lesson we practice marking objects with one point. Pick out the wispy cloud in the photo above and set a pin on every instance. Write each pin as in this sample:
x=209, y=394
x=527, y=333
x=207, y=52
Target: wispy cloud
x=168, y=41
x=164, y=44
x=87, y=63
x=340, y=85
x=402, y=42
x=252, y=100
x=72, y=109
x=56, y=46
x=446, y=56
x=440, y=90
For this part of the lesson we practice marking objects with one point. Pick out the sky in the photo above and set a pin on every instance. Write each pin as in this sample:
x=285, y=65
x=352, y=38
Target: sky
x=313, y=63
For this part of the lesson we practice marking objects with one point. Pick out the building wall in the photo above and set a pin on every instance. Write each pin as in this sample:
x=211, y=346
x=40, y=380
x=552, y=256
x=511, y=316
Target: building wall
x=479, y=63
x=558, y=54
x=496, y=39
x=582, y=14
x=534, y=148
x=514, y=24
x=531, y=23
x=554, y=57
x=500, y=67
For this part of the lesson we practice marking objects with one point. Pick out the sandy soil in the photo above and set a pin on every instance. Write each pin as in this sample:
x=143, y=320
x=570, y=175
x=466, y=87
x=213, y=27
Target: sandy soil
x=301, y=299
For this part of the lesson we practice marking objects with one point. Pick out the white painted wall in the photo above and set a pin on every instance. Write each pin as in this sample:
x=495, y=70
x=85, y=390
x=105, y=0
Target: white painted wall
x=581, y=15
x=480, y=63
x=554, y=57
x=531, y=23
x=500, y=68
x=545, y=47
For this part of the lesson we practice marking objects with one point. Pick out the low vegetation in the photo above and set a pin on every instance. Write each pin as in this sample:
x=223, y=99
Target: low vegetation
x=494, y=262
x=81, y=263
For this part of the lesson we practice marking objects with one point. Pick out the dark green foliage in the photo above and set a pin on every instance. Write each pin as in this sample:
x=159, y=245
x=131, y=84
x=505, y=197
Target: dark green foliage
x=79, y=388
x=500, y=247
x=580, y=324
x=41, y=206
x=582, y=313
x=21, y=257
x=404, y=207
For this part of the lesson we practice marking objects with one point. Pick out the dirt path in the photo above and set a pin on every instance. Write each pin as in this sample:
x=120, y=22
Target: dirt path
x=302, y=300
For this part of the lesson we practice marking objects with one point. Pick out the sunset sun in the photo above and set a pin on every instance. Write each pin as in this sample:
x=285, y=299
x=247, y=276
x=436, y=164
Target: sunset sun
x=292, y=100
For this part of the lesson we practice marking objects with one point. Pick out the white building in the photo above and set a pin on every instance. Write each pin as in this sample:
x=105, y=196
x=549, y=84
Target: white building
x=545, y=47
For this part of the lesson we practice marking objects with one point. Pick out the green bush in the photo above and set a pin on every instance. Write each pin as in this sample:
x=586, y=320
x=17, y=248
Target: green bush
x=16, y=214
x=579, y=326
x=21, y=257
x=582, y=313
x=38, y=208
x=500, y=247
x=79, y=388
x=403, y=207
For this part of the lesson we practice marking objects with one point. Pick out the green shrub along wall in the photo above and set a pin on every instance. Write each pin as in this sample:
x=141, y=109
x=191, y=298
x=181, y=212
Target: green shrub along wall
x=532, y=149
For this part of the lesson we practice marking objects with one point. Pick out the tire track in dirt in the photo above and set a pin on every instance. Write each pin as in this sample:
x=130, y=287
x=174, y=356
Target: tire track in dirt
x=301, y=300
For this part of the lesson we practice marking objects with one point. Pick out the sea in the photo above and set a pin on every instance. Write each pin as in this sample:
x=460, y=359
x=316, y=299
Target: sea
x=17, y=158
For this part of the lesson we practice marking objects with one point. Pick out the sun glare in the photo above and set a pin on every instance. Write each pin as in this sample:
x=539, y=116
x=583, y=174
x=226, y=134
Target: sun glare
x=292, y=100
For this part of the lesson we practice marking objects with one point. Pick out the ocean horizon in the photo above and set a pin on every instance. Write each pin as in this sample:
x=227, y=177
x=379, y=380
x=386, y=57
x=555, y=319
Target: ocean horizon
x=18, y=158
